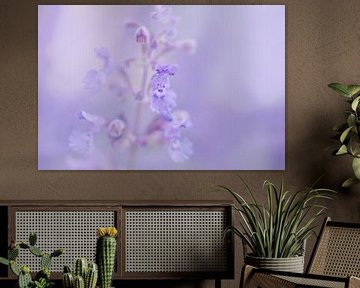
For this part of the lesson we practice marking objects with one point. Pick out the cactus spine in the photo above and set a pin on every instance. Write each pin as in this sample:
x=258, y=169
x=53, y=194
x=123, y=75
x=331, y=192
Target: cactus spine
x=106, y=254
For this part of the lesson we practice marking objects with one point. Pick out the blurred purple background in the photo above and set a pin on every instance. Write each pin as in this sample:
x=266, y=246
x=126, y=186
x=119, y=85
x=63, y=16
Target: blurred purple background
x=233, y=86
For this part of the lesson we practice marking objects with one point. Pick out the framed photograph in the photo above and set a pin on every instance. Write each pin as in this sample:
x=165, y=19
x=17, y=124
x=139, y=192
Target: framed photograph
x=154, y=87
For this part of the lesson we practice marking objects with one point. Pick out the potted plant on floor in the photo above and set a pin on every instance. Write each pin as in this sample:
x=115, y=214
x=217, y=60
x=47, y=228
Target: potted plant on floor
x=276, y=233
x=348, y=133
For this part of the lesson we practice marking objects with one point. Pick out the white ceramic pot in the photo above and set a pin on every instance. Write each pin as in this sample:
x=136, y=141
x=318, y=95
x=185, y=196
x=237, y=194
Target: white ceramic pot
x=291, y=264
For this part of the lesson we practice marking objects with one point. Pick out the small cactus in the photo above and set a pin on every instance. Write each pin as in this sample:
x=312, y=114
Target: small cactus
x=79, y=282
x=24, y=278
x=106, y=254
x=32, y=238
x=4, y=261
x=91, y=276
x=89, y=272
x=68, y=280
x=57, y=252
x=14, y=268
x=13, y=253
x=80, y=268
x=45, y=261
x=36, y=251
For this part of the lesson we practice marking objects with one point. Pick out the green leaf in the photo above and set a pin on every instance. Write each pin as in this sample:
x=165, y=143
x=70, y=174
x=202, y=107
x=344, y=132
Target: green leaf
x=353, y=89
x=342, y=150
x=354, y=145
x=345, y=134
x=340, y=88
x=355, y=103
x=349, y=182
x=356, y=167
x=4, y=261
x=351, y=120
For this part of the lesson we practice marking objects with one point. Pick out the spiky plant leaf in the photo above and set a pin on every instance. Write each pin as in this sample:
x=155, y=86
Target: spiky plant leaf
x=280, y=228
x=340, y=88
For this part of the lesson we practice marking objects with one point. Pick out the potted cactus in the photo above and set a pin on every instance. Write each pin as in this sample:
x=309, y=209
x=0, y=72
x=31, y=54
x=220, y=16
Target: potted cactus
x=42, y=278
x=106, y=254
x=84, y=275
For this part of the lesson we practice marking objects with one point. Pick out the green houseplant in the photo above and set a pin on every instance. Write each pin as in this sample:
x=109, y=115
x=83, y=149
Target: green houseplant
x=275, y=233
x=42, y=278
x=348, y=132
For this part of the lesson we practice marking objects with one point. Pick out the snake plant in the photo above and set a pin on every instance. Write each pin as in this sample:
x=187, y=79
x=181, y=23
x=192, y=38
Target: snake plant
x=279, y=228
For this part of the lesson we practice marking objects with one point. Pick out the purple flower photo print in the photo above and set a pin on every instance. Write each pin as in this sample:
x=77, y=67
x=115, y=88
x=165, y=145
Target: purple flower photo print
x=154, y=87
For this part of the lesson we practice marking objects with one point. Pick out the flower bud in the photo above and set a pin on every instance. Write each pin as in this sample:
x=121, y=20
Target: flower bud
x=142, y=35
x=116, y=128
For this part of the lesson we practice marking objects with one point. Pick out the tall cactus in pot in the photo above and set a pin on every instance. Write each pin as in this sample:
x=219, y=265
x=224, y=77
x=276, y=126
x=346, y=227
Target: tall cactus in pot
x=106, y=254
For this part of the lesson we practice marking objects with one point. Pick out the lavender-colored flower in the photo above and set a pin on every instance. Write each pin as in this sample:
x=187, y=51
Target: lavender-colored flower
x=160, y=83
x=167, y=127
x=179, y=120
x=164, y=103
x=142, y=35
x=166, y=70
x=116, y=128
x=180, y=149
x=96, y=122
x=94, y=80
x=81, y=142
x=163, y=100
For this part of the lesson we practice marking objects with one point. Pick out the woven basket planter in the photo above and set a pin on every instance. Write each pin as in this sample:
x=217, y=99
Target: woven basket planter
x=291, y=264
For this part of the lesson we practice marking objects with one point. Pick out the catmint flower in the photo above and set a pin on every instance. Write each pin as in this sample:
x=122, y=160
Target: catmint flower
x=164, y=129
x=160, y=84
x=142, y=35
x=163, y=100
x=181, y=119
x=81, y=142
x=168, y=69
x=116, y=128
x=180, y=149
x=163, y=103
x=94, y=80
x=96, y=122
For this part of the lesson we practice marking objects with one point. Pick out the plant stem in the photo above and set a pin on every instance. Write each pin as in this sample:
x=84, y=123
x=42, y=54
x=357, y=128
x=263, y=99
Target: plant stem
x=138, y=116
